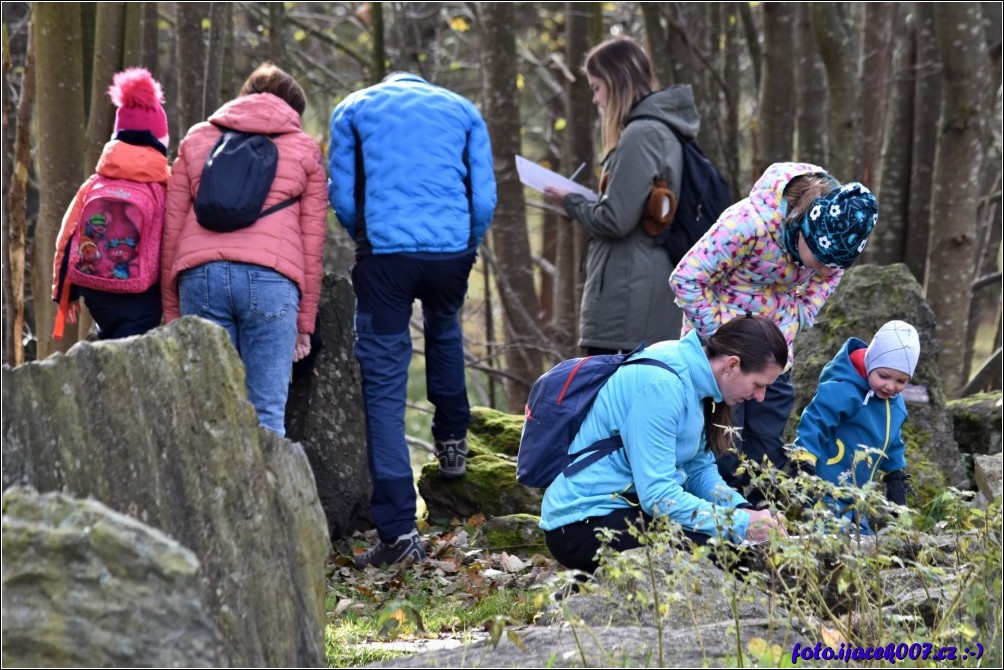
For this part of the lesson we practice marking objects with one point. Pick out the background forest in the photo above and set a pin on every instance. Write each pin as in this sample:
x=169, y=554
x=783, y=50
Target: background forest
x=905, y=97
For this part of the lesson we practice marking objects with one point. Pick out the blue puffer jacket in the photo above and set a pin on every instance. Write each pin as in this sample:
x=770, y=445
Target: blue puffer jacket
x=660, y=417
x=839, y=421
x=410, y=169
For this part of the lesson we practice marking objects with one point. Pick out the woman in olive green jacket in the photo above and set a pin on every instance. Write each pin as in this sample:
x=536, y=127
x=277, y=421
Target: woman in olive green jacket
x=627, y=298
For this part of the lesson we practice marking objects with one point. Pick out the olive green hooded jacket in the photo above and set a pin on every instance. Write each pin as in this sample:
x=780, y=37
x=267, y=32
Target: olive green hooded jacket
x=627, y=298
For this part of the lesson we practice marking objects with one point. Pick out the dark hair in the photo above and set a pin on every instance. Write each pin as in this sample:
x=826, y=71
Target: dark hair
x=757, y=342
x=271, y=79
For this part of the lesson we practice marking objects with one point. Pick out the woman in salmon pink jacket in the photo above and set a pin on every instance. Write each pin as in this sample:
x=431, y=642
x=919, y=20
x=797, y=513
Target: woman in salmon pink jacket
x=260, y=283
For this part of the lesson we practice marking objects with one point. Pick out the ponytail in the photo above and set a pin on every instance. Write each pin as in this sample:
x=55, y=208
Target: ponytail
x=757, y=342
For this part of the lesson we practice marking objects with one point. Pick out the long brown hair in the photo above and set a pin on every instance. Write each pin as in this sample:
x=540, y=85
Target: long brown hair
x=757, y=342
x=626, y=70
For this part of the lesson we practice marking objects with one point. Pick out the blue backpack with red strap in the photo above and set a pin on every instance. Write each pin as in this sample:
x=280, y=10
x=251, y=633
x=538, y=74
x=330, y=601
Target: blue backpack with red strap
x=558, y=403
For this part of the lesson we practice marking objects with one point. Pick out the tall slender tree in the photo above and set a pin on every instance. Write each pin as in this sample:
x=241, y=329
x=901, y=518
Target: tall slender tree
x=777, y=114
x=16, y=232
x=60, y=153
x=888, y=241
x=218, y=20
x=108, y=57
x=957, y=166
x=514, y=275
x=834, y=34
x=810, y=92
x=928, y=93
x=191, y=62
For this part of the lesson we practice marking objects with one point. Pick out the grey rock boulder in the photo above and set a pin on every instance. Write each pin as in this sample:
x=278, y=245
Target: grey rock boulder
x=324, y=413
x=158, y=427
x=85, y=586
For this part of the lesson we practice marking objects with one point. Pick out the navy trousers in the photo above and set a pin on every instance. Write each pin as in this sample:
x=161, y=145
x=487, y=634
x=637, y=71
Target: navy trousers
x=386, y=287
x=120, y=315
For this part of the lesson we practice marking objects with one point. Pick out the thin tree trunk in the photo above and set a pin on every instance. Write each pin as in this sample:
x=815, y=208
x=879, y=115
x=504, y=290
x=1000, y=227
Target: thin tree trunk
x=150, y=32
x=682, y=64
x=191, y=62
x=134, y=34
x=876, y=56
x=218, y=12
x=276, y=37
x=954, y=249
x=110, y=47
x=776, y=117
x=836, y=46
x=379, y=67
x=17, y=207
x=656, y=37
x=514, y=273
x=925, y=129
x=60, y=103
x=810, y=92
x=752, y=41
x=888, y=242
x=579, y=148
x=730, y=135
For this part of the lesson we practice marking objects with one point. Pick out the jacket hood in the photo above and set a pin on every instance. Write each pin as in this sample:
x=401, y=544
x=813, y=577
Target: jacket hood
x=841, y=369
x=120, y=160
x=767, y=195
x=674, y=104
x=257, y=113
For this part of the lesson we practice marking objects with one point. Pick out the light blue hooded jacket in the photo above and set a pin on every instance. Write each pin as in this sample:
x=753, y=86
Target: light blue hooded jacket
x=660, y=417
x=410, y=169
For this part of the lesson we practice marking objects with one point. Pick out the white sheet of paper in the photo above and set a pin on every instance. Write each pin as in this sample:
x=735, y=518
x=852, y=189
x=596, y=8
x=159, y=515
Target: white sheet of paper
x=537, y=177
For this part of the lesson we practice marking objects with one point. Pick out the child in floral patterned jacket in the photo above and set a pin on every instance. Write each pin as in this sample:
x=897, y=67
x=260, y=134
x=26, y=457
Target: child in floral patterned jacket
x=780, y=253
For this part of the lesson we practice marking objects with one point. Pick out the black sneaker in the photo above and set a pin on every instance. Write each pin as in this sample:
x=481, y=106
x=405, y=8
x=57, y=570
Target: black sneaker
x=452, y=456
x=406, y=550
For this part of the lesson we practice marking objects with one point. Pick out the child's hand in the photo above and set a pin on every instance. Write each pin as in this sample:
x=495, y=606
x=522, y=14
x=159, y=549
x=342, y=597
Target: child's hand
x=302, y=348
x=761, y=523
x=73, y=312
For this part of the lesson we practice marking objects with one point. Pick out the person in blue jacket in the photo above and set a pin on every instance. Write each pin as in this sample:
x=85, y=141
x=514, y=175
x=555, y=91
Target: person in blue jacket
x=859, y=405
x=411, y=179
x=672, y=424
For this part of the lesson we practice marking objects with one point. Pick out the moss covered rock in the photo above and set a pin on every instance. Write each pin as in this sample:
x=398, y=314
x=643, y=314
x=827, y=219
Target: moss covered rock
x=497, y=430
x=513, y=533
x=490, y=488
x=977, y=422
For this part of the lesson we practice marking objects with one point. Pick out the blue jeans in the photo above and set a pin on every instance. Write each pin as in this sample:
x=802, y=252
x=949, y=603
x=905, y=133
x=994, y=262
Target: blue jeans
x=386, y=286
x=257, y=307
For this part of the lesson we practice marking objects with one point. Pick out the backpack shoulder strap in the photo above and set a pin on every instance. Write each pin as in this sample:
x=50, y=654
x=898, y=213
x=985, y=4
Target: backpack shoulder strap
x=649, y=117
x=609, y=445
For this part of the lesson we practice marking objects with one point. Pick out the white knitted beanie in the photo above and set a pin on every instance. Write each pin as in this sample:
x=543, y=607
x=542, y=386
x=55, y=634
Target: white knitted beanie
x=896, y=346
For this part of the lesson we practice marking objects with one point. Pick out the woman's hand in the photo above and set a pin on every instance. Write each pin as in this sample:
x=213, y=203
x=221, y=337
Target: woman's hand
x=555, y=195
x=761, y=523
x=302, y=349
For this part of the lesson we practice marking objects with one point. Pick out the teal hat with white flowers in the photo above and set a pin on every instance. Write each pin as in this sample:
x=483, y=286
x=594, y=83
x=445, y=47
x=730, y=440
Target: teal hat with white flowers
x=836, y=227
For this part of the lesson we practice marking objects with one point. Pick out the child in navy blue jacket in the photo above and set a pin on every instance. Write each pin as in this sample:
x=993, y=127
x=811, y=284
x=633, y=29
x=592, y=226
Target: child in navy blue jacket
x=858, y=405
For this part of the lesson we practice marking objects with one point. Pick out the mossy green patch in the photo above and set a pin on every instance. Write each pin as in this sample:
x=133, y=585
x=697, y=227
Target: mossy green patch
x=499, y=431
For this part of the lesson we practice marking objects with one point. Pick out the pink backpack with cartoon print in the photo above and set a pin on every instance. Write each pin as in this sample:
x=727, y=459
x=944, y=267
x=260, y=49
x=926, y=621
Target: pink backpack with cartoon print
x=116, y=244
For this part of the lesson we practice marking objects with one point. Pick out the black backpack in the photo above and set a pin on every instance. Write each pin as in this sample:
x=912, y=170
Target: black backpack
x=235, y=182
x=703, y=196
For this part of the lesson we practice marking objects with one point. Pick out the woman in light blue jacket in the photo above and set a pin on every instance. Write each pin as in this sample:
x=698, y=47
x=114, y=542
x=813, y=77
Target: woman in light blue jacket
x=670, y=423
